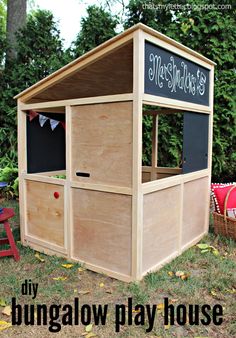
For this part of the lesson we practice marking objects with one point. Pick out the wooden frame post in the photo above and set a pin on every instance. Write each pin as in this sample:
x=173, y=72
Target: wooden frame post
x=210, y=138
x=154, y=147
x=137, y=200
x=22, y=167
x=67, y=191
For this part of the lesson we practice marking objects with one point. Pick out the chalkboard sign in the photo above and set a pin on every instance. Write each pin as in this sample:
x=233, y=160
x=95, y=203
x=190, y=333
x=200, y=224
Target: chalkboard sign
x=195, y=142
x=171, y=76
x=45, y=148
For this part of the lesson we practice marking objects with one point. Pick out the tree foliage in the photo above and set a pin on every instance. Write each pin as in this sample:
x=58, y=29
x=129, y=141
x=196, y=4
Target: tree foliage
x=3, y=14
x=39, y=53
x=211, y=32
x=96, y=28
x=3, y=11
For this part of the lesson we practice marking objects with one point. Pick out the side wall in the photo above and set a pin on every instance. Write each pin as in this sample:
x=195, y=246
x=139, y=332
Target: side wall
x=102, y=229
x=174, y=218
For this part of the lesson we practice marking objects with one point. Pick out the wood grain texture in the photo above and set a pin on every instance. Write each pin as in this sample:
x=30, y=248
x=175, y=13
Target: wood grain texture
x=102, y=143
x=111, y=74
x=195, y=207
x=102, y=229
x=45, y=213
x=22, y=165
x=160, y=225
x=137, y=200
x=152, y=174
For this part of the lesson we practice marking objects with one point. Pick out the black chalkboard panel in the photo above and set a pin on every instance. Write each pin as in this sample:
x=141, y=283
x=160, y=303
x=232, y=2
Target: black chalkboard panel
x=195, y=142
x=45, y=148
x=171, y=76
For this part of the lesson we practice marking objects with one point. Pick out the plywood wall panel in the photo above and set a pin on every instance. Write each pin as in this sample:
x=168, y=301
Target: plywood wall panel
x=102, y=229
x=45, y=213
x=102, y=143
x=195, y=206
x=161, y=215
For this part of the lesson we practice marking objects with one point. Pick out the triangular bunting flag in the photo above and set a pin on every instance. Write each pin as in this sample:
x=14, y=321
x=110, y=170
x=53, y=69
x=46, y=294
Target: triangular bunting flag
x=32, y=115
x=42, y=120
x=63, y=124
x=53, y=123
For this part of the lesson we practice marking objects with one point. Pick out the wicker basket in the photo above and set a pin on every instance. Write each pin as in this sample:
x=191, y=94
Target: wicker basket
x=223, y=224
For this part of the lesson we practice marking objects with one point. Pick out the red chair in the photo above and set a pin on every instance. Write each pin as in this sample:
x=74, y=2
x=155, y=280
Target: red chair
x=12, y=251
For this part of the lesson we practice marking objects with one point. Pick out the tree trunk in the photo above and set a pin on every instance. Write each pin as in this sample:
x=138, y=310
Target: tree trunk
x=16, y=19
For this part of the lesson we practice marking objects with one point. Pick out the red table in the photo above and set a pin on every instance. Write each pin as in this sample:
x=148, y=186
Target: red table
x=13, y=251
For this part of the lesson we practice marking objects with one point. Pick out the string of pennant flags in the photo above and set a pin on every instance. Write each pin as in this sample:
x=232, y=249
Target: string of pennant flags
x=43, y=119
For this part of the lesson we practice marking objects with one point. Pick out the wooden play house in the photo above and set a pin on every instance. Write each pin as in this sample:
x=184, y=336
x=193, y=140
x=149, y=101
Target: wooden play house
x=84, y=193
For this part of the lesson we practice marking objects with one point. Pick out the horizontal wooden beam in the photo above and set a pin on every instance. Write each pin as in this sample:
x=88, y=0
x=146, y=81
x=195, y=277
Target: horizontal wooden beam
x=169, y=182
x=101, y=187
x=162, y=170
x=108, y=272
x=81, y=185
x=161, y=263
x=196, y=175
x=45, y=244
x=159, y=101
x=78, y=102
x=52, y=173
x=194, y=241
x=160, y=184
x=42, y=178
x=161, y=111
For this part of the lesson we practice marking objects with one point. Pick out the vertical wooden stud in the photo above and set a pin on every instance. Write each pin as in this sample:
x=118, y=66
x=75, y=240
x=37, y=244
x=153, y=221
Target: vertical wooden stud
x=210, y=142
x=154, y=147
x=68, y=193
x=22, y=167
x=137, y=199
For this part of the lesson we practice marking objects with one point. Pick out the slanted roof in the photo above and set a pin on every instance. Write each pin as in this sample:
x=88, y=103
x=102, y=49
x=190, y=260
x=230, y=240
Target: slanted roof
x=105, y=70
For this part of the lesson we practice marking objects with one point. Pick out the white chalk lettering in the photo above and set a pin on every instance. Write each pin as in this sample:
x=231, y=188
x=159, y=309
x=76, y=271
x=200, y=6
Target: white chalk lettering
x=176, y=77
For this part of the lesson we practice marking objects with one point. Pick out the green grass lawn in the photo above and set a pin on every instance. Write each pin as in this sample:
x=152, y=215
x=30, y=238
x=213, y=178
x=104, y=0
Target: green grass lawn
x=210, y=280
